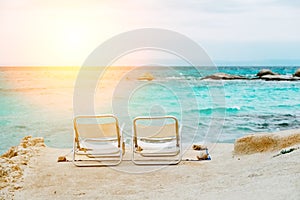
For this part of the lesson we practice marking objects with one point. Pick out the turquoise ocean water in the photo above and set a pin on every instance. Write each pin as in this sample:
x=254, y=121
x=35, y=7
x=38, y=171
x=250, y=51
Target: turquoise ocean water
x=39, y=102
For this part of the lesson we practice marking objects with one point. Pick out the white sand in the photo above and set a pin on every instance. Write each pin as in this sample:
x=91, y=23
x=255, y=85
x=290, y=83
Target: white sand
x=226, y=176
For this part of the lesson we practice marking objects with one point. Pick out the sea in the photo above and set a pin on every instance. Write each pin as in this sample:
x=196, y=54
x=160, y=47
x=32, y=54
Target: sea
x=41, y=101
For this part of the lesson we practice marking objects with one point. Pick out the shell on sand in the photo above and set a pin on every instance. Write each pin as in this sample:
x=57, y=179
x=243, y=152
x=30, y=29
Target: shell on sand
x=202, y=156
x=198, y=147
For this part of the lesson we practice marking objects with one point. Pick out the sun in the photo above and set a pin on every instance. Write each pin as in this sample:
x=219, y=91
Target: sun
x=74, y=39
x=73, y=44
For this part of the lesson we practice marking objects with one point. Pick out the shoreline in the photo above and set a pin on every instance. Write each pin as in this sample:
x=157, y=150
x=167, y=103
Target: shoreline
x=229, y=175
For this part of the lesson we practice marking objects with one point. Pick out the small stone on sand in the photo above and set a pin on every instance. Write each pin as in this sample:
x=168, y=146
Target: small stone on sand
x=61, y=159
x=197, y=147
x=202, y=156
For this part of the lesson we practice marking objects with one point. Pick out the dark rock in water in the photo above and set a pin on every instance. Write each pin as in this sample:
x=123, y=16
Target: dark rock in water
x=268, y=75
x=264, y=72
x=279, y=78
x=297, y=73
x=223, y=76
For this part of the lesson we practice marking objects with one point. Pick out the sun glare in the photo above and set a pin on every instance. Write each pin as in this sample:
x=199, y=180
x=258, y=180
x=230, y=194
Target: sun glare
x=74, y=38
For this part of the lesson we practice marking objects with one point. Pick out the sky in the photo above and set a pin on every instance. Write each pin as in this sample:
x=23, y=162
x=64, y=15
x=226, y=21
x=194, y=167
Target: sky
x=233, y=32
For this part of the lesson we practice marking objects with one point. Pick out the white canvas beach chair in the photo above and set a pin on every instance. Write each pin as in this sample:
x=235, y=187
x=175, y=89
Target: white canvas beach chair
x=156, y=140
x=97, y=141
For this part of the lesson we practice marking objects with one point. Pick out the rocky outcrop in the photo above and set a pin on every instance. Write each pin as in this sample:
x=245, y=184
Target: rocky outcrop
x=223, y=76
x=13, y=162
x=268, y=75
x=297, y=73
x=266, y=142
x=264, y=72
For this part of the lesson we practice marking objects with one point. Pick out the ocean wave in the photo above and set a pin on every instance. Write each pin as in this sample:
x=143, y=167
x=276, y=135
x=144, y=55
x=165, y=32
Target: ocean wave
x=175, y=78
x=20, y=127
x=30, y=89
x=287, y=106
x=216, y=109
x=246, y=129
x=184, y=78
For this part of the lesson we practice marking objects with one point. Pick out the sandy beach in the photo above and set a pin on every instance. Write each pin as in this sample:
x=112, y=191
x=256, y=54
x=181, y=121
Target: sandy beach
x=229, y=175
x=211, y=87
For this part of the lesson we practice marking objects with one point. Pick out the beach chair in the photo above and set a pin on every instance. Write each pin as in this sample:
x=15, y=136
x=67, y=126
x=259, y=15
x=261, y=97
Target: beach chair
x=97, y=141
x=156, y=140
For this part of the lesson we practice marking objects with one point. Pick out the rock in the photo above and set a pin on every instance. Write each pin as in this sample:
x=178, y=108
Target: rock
x=61, y=159
x=223, y=76
x=264, y=72
x=285, y=151
x=12, y=152
x=266, y=142
x=146, y=77
x=279, y=78
x=30, y=141
x=17, y=187
x=3, y=172
x=297, y=73
x=13, y=161
x=198, y=147
x=139, y=149
x=202, y=156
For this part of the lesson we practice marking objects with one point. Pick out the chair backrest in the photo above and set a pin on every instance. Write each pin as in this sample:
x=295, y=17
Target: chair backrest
x=168, y=130
x=102, y=126
x=97, y=130
x=156, y=127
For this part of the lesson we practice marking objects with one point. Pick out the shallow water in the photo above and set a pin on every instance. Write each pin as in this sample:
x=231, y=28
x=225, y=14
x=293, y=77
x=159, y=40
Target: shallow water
x=39, y=102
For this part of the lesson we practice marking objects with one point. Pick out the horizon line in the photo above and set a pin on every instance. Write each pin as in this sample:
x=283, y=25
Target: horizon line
x=73, y=66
